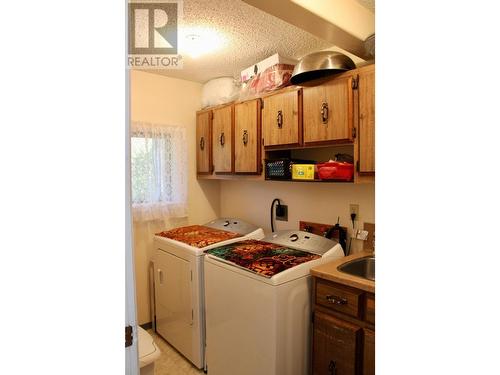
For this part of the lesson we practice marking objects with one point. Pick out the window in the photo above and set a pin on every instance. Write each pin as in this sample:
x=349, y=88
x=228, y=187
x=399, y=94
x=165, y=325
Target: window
x=159, y=168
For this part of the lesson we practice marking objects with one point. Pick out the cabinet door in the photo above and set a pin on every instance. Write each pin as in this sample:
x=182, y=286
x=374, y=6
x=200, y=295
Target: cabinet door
x=222, y=139
x=328, y=111
x=335, y=346
x=203, y=143
x=366, y=89
x=281, y=122
x=369, y=353
x=370, y=309
x=174, y=314
x=247, y=145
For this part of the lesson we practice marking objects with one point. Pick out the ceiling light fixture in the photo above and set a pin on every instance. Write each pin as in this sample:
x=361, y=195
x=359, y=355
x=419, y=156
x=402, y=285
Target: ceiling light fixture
x=200, y=41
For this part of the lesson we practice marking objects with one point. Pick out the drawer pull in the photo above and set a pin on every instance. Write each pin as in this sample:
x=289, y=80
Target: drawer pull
x=336, y=300
x=279, y=119
x=245, y=137
x=324, y=112
x=332, y=367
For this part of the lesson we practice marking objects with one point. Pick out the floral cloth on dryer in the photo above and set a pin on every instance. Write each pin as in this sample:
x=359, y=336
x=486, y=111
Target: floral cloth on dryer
x=263, y=258
x=198, y=235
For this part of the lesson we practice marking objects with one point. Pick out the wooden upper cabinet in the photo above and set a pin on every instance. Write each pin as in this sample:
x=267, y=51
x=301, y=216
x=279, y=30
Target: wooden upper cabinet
x=203, y=142
x=282, y=119
x=366, y=134
x=222, y=139
x=328, y=111
x=247, y=137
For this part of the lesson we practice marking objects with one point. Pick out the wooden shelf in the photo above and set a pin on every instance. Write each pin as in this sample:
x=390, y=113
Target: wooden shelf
x=315, y=180
x=219, y=177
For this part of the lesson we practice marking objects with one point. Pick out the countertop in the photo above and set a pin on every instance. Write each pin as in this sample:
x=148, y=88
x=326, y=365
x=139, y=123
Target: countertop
x=328, y=271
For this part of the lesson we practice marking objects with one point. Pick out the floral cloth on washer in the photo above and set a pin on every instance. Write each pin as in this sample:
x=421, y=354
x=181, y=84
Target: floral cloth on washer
x=198, y=235
x=264, y=258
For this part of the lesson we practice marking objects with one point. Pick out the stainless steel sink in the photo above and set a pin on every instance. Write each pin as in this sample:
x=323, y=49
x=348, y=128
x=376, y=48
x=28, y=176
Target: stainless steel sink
x=362, y=267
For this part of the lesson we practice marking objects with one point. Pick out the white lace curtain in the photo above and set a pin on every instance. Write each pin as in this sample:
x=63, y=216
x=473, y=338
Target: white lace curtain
x=159, y=171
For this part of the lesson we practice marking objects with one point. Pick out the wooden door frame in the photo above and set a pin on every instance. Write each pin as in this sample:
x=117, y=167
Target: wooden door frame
x=132, y=351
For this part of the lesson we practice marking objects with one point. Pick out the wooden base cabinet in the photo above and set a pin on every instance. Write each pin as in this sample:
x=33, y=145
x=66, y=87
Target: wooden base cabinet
x=343, y=330
x=369, y=352
x=336, y=345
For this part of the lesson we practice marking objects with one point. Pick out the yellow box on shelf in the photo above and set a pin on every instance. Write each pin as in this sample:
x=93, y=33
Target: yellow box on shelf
x=303, y=171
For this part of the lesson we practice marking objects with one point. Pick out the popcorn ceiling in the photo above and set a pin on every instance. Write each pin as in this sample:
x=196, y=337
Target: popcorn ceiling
x=252, y=35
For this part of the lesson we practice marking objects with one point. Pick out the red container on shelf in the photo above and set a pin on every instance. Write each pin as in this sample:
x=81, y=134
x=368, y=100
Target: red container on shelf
x=335, y=170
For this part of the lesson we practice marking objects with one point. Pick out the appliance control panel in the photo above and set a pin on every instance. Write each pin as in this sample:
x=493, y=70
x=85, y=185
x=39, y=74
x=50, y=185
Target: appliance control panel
x=300, y=240
x=232, y=225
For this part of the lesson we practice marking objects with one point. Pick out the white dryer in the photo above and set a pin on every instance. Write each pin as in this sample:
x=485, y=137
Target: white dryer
x=178, y=279
x=258, y=303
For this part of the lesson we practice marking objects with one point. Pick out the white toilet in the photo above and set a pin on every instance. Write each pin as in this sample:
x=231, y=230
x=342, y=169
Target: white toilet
x=148, y=352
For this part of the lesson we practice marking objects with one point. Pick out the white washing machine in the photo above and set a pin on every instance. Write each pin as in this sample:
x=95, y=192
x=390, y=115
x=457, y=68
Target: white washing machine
x=258, y=303
x=178, y=279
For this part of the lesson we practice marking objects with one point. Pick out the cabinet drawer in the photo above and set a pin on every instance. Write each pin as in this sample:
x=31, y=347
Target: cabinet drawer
x=338, y=298
x=370, y=309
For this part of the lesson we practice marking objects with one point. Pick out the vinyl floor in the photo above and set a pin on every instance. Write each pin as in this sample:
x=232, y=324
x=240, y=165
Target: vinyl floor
x=171, y=361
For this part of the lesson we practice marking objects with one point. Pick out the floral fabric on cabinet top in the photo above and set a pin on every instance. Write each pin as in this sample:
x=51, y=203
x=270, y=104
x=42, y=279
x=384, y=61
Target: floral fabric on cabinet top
x=263, y=258
x=198, y=235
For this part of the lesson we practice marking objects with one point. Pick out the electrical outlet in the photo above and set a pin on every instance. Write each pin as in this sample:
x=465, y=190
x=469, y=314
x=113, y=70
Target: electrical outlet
x=354, y=209
x=283, y=215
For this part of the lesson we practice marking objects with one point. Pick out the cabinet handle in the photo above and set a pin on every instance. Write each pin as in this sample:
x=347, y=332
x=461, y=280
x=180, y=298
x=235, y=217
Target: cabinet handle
x=160, y=276
x=336, y=300
x=279, y=119
x=332, y=368
x=324, y=112
x=245, y=137
x=222, y=139
x=202, y=143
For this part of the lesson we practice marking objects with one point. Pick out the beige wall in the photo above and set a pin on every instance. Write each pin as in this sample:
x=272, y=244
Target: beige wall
x=316, y=202
x=160, y=99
